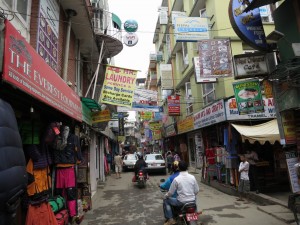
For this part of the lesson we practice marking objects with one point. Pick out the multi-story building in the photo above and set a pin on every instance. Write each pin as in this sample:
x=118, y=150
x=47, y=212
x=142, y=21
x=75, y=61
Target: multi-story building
x=204, y=125
x=52, y=57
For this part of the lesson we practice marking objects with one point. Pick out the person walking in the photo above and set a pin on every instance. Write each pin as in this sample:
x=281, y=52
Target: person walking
x=252, y=158
x=118, y=165
x=244, y=184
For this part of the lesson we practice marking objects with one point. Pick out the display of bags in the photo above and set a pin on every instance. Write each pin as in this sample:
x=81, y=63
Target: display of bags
x=62, y=217
x=57, y=203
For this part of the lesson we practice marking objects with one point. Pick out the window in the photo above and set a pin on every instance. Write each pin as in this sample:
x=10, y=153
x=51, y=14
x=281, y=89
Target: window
x=189, y=98
x=22, y=7
x=208, y=90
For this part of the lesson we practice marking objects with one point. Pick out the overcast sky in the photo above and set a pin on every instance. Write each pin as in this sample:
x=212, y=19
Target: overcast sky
x=145, y=12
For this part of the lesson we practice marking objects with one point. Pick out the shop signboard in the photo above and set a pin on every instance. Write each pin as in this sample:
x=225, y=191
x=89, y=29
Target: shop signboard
x=130, y=26
x=163, y=15
x=166, y=77
x=156, y=125
x=48, y=31
x=198, y=77
x=191, y=29
x=157, y=116
x=170, y=130
x=146, y=115
x=248, y=96
x=232, y=112
x=175, y=14
x=118, y=87
x=156, y=135
x=25, y=69
x=174, y=105
x=292, y=160
x=268, y=89
x=247, y=25
x=210, y=115
x=185, y=125
x=289, y=127
x=101, y=116
x=253, y=65
x=215, y=58
x=130, y=39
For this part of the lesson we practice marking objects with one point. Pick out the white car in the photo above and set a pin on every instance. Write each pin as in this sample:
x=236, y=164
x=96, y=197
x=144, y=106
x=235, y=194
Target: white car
x=155, y=162
x=129, y=161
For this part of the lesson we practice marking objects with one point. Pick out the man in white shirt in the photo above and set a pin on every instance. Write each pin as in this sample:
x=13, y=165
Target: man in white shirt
x=244, y=184
x=187, y=188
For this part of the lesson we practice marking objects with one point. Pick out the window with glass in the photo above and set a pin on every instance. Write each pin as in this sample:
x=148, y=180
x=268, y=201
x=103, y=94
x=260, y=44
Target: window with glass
x=22, y=7
x=208, y=92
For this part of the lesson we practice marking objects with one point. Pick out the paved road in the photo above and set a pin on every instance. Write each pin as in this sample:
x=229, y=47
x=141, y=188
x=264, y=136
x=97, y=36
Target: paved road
x=122, y=203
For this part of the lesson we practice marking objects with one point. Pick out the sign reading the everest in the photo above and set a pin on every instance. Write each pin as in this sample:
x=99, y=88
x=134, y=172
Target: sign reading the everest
x=212, y=114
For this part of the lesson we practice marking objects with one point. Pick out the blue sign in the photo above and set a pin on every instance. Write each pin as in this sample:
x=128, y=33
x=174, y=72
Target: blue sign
x=248, y=26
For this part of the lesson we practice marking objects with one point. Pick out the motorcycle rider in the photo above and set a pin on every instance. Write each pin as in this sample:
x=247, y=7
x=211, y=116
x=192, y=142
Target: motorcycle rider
x=140, y=165
x=187, y=188
x=167, y=184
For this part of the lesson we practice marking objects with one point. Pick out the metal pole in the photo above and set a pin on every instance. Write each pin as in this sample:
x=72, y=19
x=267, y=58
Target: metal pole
x=97, y=70
x=2, y=26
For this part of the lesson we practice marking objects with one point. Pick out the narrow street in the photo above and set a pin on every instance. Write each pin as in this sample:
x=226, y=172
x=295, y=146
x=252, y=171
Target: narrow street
x=121, y=202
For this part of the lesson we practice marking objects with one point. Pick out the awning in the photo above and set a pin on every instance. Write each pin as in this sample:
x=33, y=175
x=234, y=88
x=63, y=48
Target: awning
x=91, y=103
x=258, y=3
x=262, y=133
x=117, y=20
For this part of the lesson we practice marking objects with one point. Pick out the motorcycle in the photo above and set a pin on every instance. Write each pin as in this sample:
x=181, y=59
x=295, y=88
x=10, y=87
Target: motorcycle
x=141, y=178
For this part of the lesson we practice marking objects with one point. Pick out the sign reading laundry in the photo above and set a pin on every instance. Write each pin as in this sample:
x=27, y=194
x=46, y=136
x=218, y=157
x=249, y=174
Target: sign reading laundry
x=118, y=87
x=25, y=69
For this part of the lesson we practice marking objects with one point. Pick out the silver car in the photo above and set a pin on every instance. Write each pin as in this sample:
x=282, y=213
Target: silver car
x=155, y=162
x=129, y=161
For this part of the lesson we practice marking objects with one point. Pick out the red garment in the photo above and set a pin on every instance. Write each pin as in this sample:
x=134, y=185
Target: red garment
x=210, y=155
x=40, y=215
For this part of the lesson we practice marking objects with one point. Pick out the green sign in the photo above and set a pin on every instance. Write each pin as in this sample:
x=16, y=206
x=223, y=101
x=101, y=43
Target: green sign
x=248, y=97
x=86, y=115
x=130, y=26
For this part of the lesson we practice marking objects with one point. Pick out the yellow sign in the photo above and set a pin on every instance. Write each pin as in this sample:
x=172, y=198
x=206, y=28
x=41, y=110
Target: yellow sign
x=154, y=126
x=121, y=138
x=156, y=135
x=118, y=87
x=185, y=125
x=146, y=115
x=289, y=127
x=268, y=89
x=102, y=116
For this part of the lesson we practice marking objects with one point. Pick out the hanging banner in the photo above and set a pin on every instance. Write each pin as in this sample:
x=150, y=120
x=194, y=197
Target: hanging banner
x=198, y=77
x=146, y=115
x=101, y=116
x=48, y=31
x=185, y=125
x=166, y=77
x=174, y=105
x=155, y=125
x=268, y=89
x=118, y=87
x=210, y=115
x=170, y=130
x=191, y=29
x=247, y=25
x=289, y=127
x=156, y=135
x=215, y=58
x=232, y=112
x=121, y=127
x=26, y=70
x=248, y=97
x=291, y=160
x=163, y=15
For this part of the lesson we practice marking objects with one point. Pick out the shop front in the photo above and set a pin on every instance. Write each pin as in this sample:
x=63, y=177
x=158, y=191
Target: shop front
x=49, y=116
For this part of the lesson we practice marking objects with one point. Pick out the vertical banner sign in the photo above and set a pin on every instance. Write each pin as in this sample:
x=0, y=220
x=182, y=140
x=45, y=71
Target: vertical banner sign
x=292, y=160
x=174, y=105
x=247, y=25
x=248, y=97
x=289, y=127
x=268, y=89
x=48, y=31
x=198, y=76
x=215, y=58
x=163, y=15
x=121, y=125
x=118, y=87
x=166, y=77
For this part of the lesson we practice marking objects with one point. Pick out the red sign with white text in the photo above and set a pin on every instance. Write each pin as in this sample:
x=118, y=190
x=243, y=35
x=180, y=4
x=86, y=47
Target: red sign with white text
x=25, y=69
x=174, y=105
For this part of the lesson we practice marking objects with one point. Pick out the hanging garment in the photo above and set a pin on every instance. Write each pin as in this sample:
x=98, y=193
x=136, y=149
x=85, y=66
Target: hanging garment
x=210, y=155
x=40, y=179
x=66, y=186
x=40, y=215
x=40, y=155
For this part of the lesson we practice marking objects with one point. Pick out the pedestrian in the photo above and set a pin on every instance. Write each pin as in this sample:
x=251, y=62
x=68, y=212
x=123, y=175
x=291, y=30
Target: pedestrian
x=183, y=151
x=176, y=157
x=244, y=184
x=118, y=165
x=252, y=158
x=170, y=160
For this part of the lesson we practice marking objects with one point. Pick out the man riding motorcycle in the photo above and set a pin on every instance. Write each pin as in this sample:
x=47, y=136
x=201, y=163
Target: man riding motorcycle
x=187, y=188
x=140, y=165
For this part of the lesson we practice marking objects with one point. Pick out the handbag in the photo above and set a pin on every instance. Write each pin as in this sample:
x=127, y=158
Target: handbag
x=62, y=217
x=57, y=203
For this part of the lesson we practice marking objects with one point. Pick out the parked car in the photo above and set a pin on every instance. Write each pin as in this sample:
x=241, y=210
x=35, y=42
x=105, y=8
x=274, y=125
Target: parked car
x=155, y=163
x=129, y=161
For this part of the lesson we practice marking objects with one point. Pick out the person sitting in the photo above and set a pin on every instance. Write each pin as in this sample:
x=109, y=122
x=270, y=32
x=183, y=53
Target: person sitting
x=187, y=188
x=167, y=184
